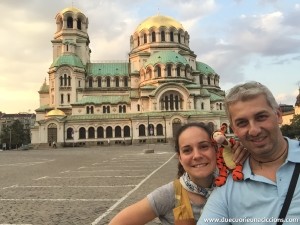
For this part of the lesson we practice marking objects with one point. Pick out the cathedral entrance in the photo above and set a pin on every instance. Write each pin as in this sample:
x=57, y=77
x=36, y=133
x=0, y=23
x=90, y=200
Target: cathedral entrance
x=52, y=133
x=176, y=124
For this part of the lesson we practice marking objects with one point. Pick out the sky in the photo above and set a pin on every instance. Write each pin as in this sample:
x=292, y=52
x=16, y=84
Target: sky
x=241, y=40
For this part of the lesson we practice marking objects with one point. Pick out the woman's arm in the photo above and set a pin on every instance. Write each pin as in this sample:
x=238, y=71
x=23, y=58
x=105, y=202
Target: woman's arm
x=137, y=214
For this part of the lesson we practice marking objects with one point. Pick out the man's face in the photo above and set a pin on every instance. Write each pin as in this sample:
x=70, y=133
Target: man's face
x=255, y=123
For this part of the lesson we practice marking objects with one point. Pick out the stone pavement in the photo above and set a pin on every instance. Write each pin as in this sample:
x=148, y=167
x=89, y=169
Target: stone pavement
x=79, y=185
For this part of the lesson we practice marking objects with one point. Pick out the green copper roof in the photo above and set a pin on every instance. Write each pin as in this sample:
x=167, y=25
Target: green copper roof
x=214, y=97
x=204, y=68
x=69, y=59
x=43, y=108
x=165, y=57
x=204, y=92
x=103, y=100
x=99, y=69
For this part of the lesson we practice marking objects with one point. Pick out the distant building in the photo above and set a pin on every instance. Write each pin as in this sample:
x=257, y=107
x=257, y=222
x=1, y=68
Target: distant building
x=27, y=119
x=289, y=111
x=143, y=99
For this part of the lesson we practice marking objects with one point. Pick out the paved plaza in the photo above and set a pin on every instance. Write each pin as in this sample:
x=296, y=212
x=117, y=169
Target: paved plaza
x=79, y=185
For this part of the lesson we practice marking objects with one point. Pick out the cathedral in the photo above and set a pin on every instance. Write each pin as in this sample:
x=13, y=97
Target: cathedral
x=144, y=99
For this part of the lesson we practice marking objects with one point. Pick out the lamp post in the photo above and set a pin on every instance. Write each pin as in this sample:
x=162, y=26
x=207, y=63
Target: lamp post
x=9, y=138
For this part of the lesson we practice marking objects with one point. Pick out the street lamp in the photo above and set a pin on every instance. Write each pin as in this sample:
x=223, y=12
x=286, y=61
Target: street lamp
x=9, y=138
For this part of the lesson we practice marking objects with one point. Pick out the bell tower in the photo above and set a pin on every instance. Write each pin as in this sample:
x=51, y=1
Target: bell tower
x=71, y=36
x=71, y=54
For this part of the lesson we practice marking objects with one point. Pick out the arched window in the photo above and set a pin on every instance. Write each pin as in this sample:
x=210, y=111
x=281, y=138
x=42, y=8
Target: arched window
x=125, y=81
x=142, y=130
x=91, y=132
x=79, y=24
x=138, y=107
x=90, y=82
x=169, y=70
x=117, y=82
x=118, y=132
x=69, y=81
x=172, y=36
x=162, y=36
x=145, y=38
x=92, y=109
x=82, y=134
x=201, y=79
x=106, y=109
x=108, y=82
x=202, y=105
x=208, y=80
x=178, y=71
x=179, y=38
x=61, y=98
x=70, y=133
x=70, y=22
x=159, y=129
x=99, y=82
x=158, y=71
x=171, y=100
x=109, y=132
x=100, y=132
x=126, y=131
x=150, y=130
x=153, y=36
x=65, y=79
x=61, y=81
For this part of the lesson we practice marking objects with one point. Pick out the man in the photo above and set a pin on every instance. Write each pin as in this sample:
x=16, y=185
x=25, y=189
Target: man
x=255, y=117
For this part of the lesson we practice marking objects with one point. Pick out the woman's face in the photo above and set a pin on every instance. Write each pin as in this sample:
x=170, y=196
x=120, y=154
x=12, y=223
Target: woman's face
x=197, y=155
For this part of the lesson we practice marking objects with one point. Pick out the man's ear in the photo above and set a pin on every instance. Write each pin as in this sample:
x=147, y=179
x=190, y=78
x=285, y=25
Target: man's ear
x=279, y=115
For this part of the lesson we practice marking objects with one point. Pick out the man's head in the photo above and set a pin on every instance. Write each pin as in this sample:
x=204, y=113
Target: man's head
x=247, y=91
x=255, y=117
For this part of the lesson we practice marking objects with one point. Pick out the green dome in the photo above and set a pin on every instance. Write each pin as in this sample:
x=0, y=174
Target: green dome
x=204, y=68
x=69, y=60
x=44, y=88
x=165, y=57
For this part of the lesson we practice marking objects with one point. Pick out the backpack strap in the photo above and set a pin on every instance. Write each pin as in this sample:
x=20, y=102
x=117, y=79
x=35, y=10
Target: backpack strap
x=183, y=213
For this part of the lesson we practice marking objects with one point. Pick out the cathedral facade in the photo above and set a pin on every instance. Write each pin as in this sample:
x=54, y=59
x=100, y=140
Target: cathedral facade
x=144, y=99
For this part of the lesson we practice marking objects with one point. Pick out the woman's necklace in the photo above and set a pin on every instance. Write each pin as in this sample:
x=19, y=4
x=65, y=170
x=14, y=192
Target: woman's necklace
x=273, y=160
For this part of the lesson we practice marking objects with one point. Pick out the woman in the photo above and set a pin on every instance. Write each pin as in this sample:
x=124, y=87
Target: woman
x=196, y=167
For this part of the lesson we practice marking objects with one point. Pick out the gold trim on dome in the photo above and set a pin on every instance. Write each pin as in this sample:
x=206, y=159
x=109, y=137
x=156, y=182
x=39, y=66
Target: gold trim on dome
x=159, y=21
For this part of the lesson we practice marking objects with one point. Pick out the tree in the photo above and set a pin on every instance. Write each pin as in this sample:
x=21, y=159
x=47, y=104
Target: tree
x=292, y=130
x=15, y=135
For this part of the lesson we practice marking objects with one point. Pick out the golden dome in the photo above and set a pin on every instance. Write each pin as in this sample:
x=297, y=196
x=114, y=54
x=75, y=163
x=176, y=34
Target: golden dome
x=159, y=21
x=70, y=9
x=55, y=112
